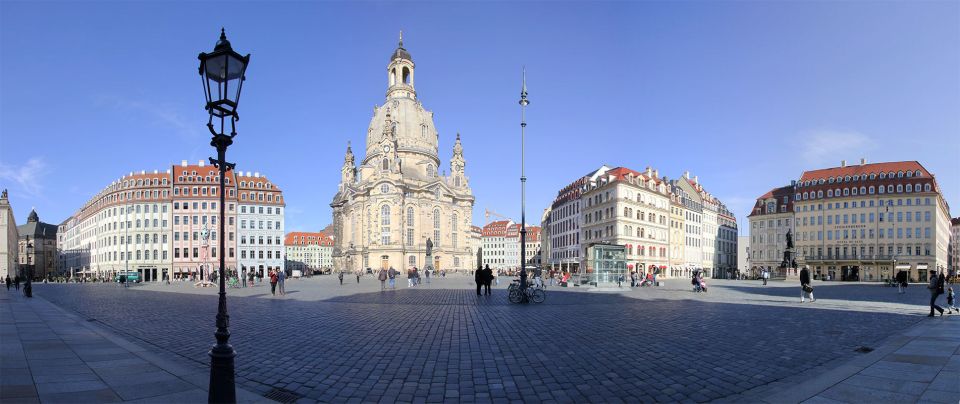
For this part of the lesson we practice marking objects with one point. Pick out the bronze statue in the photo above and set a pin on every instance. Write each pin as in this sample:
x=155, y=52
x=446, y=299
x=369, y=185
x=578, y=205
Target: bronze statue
x=789, y=239
x=429, y=247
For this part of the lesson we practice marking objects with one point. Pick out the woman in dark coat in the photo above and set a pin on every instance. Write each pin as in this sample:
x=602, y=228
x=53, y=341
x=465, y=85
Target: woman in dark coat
x=805, y=288
x=479, y=279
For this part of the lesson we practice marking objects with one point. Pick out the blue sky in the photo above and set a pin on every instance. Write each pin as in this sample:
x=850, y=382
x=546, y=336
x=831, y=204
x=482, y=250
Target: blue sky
x=744, y=94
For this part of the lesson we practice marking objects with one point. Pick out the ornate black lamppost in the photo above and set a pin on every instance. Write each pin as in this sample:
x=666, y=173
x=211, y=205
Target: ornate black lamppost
x=222, y=72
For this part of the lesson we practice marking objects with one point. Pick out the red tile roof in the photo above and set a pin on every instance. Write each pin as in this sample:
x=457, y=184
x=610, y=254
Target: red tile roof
x=496, y=229
x=874, y=168
x=298, y=238
x=760, y=208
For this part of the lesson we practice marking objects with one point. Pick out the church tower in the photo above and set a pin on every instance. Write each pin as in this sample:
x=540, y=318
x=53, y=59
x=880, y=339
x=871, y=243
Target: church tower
x=400, y=73
x=349, y=170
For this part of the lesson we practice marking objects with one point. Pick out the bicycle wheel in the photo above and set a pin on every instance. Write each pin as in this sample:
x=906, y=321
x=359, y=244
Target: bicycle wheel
x=538, y=296
x=514, y=296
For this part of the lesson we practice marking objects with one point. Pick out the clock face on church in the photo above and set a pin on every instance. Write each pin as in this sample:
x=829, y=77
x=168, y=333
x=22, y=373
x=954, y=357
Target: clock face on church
x=386, y=149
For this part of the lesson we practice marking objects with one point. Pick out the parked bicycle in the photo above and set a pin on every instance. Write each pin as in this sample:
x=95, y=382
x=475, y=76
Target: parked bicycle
x=532, y=293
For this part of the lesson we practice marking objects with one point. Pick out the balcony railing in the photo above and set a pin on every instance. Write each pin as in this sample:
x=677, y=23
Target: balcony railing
x=864, y=257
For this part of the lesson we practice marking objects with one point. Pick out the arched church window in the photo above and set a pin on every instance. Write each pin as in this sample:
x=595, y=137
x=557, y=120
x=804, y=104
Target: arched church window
x=457, y=181
x=384, y=188
x=430, y=171
x=406, y=76
x=385, y=215
x=385, y=165
x=410, y=217
x=393, y=77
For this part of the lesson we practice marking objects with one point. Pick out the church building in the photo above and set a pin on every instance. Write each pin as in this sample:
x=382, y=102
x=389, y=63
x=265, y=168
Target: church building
x=387, y=208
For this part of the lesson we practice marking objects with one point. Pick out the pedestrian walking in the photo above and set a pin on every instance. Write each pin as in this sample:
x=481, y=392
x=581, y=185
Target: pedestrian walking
x=901, y=281
x=950, y=305
x=382, y=276
x=392, y=277
x=8, y=282
x=358, y=277
x=340, y=275
x=766, y=275
x=273, y=282
x=805, y=289
x=478, y=278
x=487, y=280
x=409, y=277
x=427, y=274
x=243, y=277
x=281, y=277
x=936, y=288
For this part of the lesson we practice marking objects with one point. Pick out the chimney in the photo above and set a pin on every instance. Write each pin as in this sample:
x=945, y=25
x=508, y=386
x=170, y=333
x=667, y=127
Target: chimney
x=142, y=172
x=183, y=163
x=686, y=175
x=155, y=171
x=649, y=172
x=656, y=173
x=843, y=163
x=696, y=179
x=863, y=161
x=200, y=163
x=168, y=171
x=256, y=174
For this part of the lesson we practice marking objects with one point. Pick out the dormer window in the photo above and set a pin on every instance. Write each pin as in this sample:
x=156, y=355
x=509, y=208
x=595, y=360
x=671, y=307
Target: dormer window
x=917, y=174
x=909, y=174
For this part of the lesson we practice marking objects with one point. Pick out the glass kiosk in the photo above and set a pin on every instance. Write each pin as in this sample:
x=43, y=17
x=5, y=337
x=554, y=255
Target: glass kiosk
x=605, y=264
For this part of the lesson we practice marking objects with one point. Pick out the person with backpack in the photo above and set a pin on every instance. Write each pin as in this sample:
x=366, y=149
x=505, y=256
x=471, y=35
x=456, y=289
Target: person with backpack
x=936, y=288
x=273, y=282
x=392, y=277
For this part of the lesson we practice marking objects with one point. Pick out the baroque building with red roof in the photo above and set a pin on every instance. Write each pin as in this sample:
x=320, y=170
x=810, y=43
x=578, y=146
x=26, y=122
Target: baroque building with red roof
x=862, y=222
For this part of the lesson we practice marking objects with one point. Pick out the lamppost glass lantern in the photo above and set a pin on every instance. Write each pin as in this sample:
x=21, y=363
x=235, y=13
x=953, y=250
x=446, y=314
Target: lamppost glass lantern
x=222, y=72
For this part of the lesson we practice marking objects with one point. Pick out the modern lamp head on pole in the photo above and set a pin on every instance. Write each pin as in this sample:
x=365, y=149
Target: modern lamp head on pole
x=223, y=73
x=523, y=92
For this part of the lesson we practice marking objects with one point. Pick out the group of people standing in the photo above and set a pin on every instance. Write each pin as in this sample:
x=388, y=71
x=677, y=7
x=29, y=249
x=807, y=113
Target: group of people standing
x=15, y=281
x=277, y=278
x=483, y=277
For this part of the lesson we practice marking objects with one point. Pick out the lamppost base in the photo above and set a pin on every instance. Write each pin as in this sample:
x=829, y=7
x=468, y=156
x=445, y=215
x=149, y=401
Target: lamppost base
x=222, y=387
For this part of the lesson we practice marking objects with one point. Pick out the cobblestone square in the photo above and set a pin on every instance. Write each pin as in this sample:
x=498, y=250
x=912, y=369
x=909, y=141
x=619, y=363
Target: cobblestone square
x=442, y=342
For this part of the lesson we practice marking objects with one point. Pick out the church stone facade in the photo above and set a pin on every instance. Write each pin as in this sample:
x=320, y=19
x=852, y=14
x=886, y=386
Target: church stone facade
x=387, y=208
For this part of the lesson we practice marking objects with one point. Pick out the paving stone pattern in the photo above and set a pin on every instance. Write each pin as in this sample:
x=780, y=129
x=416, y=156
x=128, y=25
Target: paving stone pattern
x=445, y=344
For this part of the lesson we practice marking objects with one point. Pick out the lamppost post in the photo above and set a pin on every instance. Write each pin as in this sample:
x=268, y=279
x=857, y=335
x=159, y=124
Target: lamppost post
x=523, y=178
x=222, y=72
x=31, y=261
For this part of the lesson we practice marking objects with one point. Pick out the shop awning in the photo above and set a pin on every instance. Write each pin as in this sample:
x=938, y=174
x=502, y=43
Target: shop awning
x=903, y=267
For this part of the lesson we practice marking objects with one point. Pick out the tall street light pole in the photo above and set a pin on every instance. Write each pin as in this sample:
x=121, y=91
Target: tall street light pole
x=222, y=72
x=523, y=177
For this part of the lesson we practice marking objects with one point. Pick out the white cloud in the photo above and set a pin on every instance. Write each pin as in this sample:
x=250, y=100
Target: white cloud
x=821, y=147
x=27, y=176
x=160, y=114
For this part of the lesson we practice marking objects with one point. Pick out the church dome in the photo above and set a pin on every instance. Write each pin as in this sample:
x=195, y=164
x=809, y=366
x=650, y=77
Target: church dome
x=401, y=54
x=412, y=124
